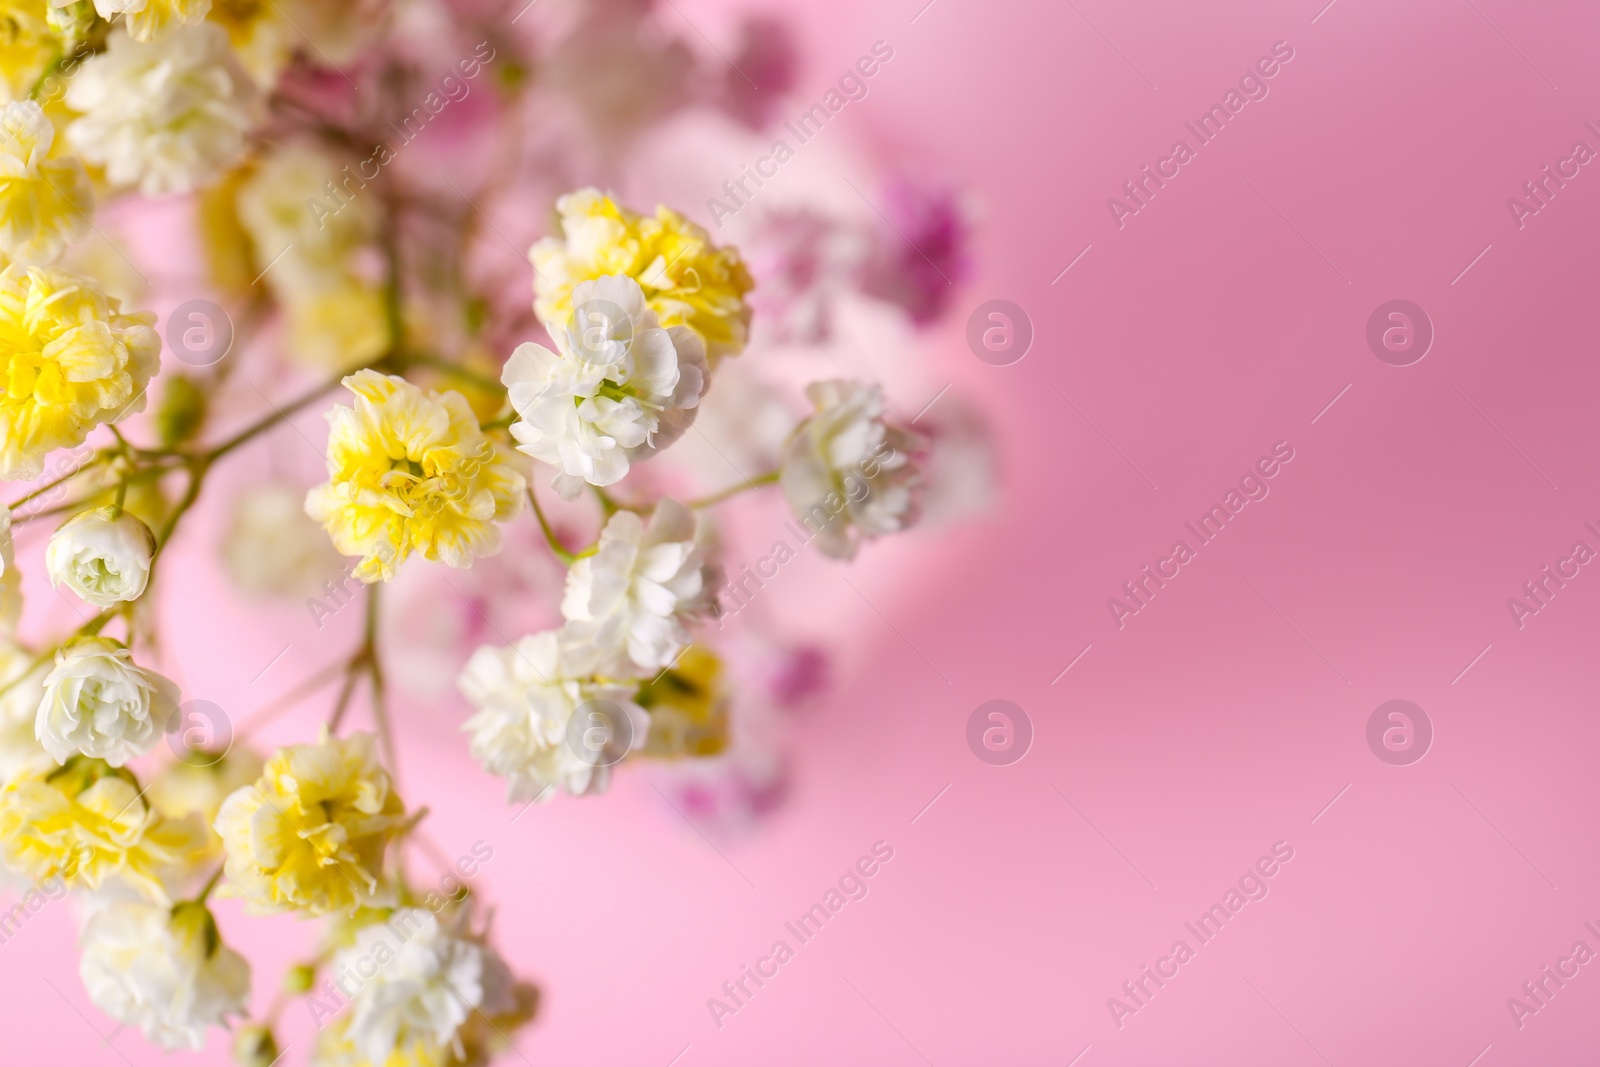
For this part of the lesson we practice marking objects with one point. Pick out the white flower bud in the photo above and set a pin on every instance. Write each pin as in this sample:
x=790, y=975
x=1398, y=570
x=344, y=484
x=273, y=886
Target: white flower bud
x=102, y=555
x=98, y=702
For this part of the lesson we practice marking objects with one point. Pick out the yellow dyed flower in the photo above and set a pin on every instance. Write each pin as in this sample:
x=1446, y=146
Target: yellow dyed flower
x=410, y=471
x=44, y=203
x=341, y=325
x=87, y=824
x=687, y=280
x=148, y=20
x=69, y=361
x=310, y=834
x=28, y=44
x=688, y=708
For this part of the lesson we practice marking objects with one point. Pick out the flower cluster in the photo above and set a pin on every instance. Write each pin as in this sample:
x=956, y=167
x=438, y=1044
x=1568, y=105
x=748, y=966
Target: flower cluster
x=343, y=252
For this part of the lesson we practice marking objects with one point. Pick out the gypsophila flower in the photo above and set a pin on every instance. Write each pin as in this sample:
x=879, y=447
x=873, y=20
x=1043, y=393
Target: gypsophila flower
x=44, y=202
x=167, y=116
x=23, y=683
x=103, y=555
x=426, y=982
x=687, y=280
x=28, y=43
x=88, y=823
x=846, y=474
x=629, y=602
x=198, y=783
x=619, y=389
x=69, y=361
x=272, y=547
x=410, y=471
x=310, y=834
x=147, y=20
x=526, y=696
x=164, y=970
x=98, y=702
x=688, y=706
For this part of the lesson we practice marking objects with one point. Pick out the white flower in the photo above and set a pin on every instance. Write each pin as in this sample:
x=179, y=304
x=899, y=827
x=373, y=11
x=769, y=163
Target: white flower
x=419, y=981
x=19, y=706
x=44, y=202
x=103, y=555
x=164, y=970
x=149, y=19
x=98, y=702
x=618, y=389
x=525, y=732
x=630, y=600
x=846, y=475
x=167, y=116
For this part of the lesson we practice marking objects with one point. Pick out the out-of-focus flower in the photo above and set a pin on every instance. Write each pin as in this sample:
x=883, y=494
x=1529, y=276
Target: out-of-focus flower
x=958, y=463
x=310, y=834
x=619, y=70
x=687, y=280
x=163, y=970
x=103, y=555
x=255, y=1045
x=272, y=546
x=87, y=823
x=267, y=35
x=147, y=20
x=196, y=786
x=923, y=254
x=688, y=706
x=619, y=389
x=19, y=707
x=44, y=202
x=69, y=361
x=847, y=475
x=428, y=982
x=410, y=471
x=806, y=262
x=629, y=602
x=339, y=326
x=527, y=696
x=99, y=703
x=287, y=211
x=764, y=67
x=168, y=116
x=28, y=44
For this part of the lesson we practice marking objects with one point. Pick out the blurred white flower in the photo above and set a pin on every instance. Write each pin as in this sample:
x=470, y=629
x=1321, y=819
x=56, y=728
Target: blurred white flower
x=847, y=475
x=148, y=19
x=98, y=702
x=425, y=983
x=619, y=387
x=629, y=601
x=19, y=707
x=167, y=116
x=524, y=730
x=103, y=555
x=272, y=546
x=164, y=970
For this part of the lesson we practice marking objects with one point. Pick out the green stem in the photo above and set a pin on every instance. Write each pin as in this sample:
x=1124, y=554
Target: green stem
x=769, y=478
x=549, y=534
x=210, y=885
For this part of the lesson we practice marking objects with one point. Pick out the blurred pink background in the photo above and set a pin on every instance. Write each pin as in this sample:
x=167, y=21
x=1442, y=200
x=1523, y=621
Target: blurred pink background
x=1226, y=715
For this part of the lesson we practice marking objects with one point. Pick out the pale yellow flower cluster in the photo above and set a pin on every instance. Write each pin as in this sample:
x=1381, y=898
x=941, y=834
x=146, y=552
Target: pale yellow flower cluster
x=310, y=834
x=410, y=471
x=687, y=280
x=87, y=824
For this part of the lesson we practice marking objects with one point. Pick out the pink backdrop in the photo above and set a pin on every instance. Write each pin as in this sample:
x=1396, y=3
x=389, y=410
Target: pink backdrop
x=1225, y=716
